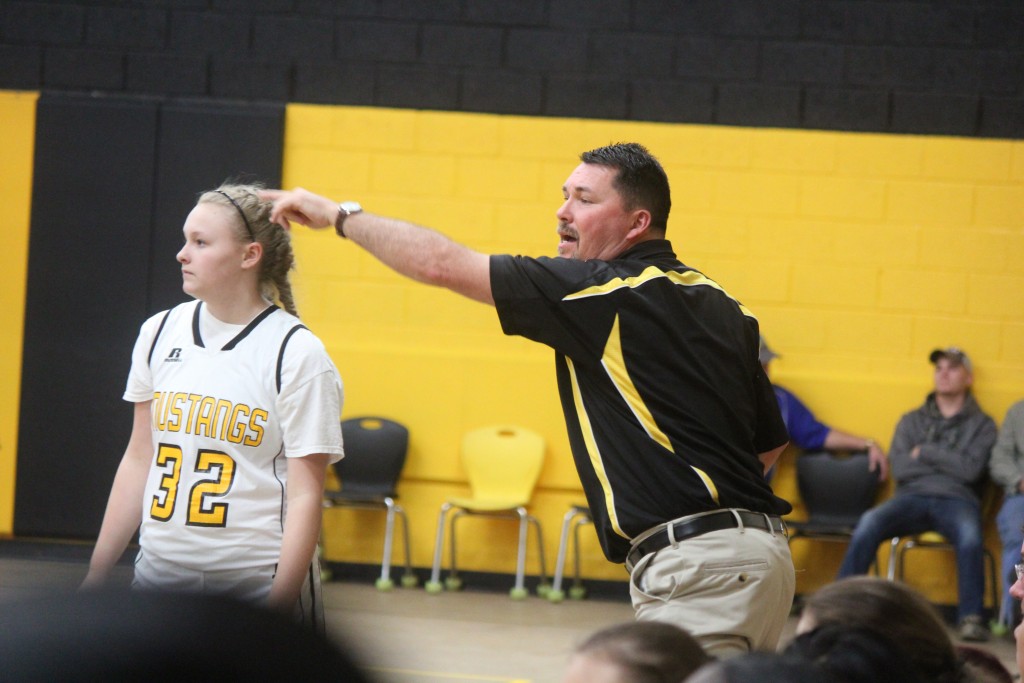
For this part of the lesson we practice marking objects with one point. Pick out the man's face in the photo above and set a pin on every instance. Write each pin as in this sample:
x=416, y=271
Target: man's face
x=592, y=223
x=951, y=378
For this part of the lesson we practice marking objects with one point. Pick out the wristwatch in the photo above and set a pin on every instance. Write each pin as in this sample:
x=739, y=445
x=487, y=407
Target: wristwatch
x=345, y=209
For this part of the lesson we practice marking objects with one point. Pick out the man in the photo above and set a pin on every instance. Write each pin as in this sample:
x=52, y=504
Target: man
x=1007, y=470
x=1017, y=591
x=809, y=434
x=940, y=455
x=671, y=419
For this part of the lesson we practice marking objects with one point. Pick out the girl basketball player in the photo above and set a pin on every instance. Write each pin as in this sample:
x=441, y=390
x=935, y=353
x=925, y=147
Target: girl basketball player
x=237, y=410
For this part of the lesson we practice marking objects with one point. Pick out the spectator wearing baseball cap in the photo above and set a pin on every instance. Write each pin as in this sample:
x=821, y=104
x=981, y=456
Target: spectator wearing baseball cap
x=954, y=355
x=808, y=433
x=939, y=455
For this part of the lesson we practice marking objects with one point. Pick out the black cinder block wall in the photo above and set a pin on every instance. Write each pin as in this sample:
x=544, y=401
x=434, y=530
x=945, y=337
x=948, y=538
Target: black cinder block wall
x=905, y=66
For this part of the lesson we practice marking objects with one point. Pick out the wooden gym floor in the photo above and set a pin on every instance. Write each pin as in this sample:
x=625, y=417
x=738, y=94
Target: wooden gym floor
x=408, y=636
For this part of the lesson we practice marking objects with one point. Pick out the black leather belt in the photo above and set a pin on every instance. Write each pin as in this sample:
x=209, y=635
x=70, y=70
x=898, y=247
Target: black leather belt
x=696, y=526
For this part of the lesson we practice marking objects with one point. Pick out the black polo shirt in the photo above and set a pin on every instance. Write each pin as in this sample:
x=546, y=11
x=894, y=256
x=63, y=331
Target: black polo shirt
x=665, y=401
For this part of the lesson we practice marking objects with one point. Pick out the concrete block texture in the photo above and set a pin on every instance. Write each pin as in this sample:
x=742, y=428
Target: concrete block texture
x=945, y=67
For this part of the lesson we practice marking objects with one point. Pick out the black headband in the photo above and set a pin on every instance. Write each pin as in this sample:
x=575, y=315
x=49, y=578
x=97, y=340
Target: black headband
x=240, y=213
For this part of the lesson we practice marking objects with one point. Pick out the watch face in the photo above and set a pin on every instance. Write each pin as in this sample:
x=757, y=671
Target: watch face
x=350, y=207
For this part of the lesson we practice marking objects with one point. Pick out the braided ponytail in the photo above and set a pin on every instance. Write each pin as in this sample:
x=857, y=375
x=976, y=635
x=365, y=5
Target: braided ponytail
x=254, y=225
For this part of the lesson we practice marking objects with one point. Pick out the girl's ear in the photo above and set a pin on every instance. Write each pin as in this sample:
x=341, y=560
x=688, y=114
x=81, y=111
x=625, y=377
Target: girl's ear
x=252, y=255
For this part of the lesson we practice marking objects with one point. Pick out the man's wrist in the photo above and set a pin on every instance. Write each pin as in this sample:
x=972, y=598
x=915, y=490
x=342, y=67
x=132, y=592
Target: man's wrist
x=345, y=209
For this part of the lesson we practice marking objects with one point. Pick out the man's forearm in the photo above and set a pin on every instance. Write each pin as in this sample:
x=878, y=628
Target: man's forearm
x=422, y=254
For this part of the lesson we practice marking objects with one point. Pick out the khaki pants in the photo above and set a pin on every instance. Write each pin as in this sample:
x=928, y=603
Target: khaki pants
x=731, y=589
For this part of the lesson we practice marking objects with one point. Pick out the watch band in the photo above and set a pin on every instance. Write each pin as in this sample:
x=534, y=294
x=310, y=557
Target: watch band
x=345, y=209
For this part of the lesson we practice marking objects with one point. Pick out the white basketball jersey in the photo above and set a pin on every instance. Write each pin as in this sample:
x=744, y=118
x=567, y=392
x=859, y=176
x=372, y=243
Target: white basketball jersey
x=225, y=417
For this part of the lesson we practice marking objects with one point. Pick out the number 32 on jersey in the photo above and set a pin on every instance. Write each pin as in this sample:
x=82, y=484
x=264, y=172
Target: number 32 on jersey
x=203, y=510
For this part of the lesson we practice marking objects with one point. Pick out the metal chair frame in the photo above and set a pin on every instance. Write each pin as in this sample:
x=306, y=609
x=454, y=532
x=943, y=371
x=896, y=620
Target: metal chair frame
x=371, y=490
x=577, y=516
x=520, y=514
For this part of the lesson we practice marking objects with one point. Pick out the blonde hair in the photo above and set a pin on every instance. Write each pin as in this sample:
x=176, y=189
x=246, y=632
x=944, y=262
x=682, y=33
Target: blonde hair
x=254, y=225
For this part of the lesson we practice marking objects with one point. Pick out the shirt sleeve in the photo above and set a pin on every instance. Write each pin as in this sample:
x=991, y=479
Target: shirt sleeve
x=139, y=386
x=771, y=429
x=310, y=401
x=1007, y=463
x=805, y=430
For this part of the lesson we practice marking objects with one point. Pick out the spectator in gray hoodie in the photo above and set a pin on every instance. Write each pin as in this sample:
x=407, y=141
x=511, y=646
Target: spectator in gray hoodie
x=939, y=457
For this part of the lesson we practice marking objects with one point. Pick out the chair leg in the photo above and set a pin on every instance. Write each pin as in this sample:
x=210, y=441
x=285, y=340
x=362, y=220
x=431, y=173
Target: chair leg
x=543, y=588
x=995, y=587
x=893, y=552
x=518, y=591
x=901, y=558
x=384, y=583
x=578, y=592
x=556, y=594
x=409, y=579
x=453, y=582
x=434, y=585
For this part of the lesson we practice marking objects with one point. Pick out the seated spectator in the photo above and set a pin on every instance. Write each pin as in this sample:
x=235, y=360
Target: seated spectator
x=939, y=455
x=902, y=616
x=810, y=434
x=1017, y=591
x=893, y=610
x=854, y=654
x=1007, y=470
x=636, y=652
x=761, y=667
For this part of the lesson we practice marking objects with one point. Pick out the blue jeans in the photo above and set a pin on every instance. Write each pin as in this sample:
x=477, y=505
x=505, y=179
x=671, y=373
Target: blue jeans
x=956, y=519
x=1009, y=521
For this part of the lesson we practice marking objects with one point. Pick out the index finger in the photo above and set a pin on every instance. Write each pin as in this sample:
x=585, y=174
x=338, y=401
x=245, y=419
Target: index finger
x=270, y=195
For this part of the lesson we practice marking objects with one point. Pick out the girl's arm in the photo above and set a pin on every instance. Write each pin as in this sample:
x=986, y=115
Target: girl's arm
x=124, y=506
x=301, y=529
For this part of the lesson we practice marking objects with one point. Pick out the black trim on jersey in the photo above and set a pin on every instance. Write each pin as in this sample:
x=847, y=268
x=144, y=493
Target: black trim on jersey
x=249, y=328
x=152, y=348
x=197, y=338
x=280, y=354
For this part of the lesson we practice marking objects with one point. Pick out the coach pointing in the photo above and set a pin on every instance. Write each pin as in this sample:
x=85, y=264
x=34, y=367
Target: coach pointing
x=671, y=419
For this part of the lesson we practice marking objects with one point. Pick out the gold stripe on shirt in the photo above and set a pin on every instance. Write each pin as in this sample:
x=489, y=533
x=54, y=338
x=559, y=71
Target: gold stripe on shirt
x=689, y=278
x=595, y=455
x=615, y=365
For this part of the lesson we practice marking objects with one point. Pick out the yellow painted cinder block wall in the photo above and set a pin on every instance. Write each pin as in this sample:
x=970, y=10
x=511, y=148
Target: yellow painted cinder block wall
x=859, y=253
x=18, y=114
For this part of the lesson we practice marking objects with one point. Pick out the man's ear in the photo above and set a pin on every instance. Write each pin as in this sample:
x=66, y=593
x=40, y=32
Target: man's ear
x=253, y=255
x=641, y=224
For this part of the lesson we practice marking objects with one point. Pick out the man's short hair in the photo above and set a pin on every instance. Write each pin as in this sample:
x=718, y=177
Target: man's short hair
x=640, y=180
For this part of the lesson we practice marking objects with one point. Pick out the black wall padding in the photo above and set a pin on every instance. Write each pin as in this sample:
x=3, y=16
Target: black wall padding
x=202, y=144
x=113, y=181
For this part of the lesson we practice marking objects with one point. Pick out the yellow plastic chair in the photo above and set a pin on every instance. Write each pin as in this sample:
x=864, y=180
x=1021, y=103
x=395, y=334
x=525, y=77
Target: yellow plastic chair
x=933, y=540
x=502, y=464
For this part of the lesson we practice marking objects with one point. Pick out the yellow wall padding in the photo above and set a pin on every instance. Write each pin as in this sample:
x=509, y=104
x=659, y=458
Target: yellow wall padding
x=18, y=113
x=858, y=253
